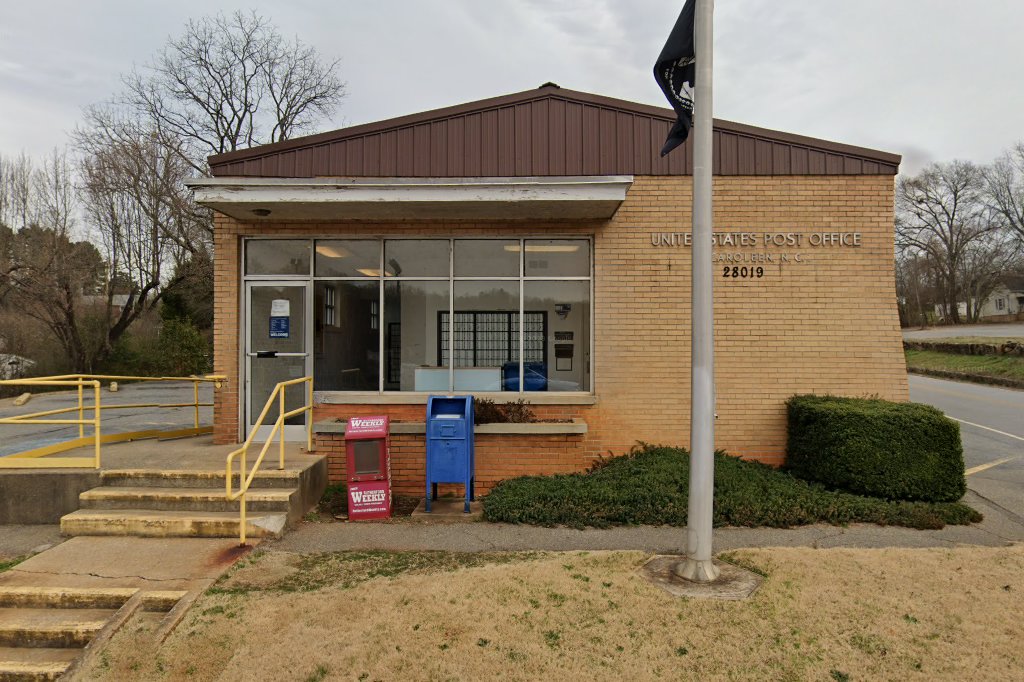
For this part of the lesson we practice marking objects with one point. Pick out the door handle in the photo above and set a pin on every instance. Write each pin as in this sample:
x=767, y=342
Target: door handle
x=275, y=354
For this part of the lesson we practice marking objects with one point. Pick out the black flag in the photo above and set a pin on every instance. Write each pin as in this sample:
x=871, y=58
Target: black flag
x=676, y=74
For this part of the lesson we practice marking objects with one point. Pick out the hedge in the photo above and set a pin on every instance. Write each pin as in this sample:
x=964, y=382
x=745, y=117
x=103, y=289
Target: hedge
x=898, y=451
x=649, y=486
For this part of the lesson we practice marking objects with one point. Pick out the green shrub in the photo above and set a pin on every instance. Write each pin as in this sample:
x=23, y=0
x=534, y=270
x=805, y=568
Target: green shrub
x=899, y=451
x=183, y=350
x=650, y=485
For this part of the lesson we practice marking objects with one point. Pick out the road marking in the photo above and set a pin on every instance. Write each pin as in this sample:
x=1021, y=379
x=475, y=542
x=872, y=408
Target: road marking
x=983, y=467
x=987, y=428
x=989, y=465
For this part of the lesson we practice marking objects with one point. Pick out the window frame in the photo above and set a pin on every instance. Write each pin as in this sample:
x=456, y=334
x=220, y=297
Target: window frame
x=415, y=396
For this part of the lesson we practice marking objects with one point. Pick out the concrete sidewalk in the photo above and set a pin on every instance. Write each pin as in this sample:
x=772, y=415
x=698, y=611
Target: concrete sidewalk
x=126, y=562
x=999, y=528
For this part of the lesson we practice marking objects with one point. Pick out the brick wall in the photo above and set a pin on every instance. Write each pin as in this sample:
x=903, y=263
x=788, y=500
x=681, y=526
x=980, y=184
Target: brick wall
x=498, y=456
x=827, y=324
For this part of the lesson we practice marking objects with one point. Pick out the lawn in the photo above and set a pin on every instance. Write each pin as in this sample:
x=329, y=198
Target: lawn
x=1000, y=366
x=835, y=614
x=650, y=487
x=987, y=340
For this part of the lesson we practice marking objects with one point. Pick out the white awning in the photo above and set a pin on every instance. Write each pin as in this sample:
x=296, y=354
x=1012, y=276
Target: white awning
x=315, y=199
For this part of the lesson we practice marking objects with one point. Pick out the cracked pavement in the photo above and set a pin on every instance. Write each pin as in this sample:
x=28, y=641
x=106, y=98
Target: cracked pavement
x=145, y=563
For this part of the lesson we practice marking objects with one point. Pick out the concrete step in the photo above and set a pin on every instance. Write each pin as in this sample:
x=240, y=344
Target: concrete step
x=37, y=664
x=65, y=598
x=188, y=478
x=51, y=627
x=153, y=523
x=185, y=499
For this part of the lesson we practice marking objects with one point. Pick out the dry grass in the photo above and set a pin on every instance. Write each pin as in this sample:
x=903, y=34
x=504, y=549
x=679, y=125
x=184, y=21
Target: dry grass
x=821, y=614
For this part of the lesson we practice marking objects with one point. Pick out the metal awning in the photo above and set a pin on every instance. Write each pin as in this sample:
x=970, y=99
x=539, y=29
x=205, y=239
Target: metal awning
x=316, y=199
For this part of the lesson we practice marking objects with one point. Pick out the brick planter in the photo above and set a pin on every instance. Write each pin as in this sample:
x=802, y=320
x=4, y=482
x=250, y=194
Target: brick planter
x=502, y=451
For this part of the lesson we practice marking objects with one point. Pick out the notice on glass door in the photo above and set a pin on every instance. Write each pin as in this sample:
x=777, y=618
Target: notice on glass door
x=280, y=318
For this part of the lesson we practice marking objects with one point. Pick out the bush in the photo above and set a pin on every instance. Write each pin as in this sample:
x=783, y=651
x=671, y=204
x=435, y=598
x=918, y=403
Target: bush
x=650, y=485
x=486, y=411
x=899, y=451
x=182, y=348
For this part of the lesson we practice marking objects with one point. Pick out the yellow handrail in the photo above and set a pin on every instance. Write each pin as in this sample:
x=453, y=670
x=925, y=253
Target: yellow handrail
x=37, y=458
x=244, y=481
x=79, y=383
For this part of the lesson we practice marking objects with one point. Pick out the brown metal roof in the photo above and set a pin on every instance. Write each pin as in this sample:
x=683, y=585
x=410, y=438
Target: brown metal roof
x=547, y=131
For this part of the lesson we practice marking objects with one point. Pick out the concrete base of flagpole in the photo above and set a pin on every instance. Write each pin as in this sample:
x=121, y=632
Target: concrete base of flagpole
x=733, y=583
x=697, y=571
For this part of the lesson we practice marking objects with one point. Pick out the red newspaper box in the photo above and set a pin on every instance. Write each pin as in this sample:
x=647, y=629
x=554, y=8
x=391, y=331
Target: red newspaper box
x=368, y=464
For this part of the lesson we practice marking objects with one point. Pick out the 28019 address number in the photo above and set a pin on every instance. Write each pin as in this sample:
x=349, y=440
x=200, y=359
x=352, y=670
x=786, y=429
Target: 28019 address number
x=743, y=272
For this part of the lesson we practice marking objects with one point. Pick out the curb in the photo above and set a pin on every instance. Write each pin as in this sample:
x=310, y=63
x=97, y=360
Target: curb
x=965, y=376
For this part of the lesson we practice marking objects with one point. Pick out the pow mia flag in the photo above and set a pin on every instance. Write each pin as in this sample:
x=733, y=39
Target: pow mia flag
x=676, y=74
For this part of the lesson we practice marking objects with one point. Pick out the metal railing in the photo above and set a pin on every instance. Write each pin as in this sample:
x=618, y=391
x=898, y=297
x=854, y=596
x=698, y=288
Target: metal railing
x=41, y=457
x=244, y=479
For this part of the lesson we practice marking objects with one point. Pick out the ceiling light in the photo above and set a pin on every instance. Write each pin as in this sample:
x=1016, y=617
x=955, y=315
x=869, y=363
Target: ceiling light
x=328, y=251
x=544, y=248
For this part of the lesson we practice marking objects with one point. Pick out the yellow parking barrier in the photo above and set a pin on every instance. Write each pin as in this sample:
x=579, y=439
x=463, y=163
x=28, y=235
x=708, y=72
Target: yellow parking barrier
x=41, y=458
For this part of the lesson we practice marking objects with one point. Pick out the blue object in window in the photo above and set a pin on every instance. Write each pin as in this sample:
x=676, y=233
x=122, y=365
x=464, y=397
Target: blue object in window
x=535, y=376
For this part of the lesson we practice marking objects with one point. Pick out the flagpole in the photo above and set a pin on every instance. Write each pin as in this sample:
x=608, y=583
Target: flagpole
x=698, y=566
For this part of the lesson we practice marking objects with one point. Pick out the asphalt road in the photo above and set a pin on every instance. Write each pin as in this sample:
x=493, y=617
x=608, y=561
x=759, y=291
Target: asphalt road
x=992, y=429
x=1008, y=329
x=20, y=437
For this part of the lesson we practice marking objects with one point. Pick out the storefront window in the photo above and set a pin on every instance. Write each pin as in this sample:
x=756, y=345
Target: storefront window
x=346, y=340
x=277, y=257
x=557, y=258
x=416, y=257
x=436, y=315
x=412, y=354
x=484, y=340
x=347, y=258
x=565, y=305
x=486, y=258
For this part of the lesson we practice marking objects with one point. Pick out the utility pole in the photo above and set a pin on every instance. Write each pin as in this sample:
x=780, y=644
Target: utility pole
x=698, y=566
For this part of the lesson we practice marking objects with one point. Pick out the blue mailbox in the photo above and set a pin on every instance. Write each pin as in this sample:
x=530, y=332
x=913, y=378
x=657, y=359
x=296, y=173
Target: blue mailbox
x=450, y=444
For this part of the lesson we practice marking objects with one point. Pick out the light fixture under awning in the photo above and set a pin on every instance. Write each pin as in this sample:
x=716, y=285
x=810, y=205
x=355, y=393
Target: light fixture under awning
x=328, y=251
x=544, y=248
x=306, y=199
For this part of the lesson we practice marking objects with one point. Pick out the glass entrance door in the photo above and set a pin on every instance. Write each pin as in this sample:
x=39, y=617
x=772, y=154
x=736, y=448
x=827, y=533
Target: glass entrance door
x=276, y=349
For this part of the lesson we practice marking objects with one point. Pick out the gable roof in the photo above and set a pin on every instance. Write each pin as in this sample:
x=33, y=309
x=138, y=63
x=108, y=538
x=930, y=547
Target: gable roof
x=1015, y=283
x=549, y=131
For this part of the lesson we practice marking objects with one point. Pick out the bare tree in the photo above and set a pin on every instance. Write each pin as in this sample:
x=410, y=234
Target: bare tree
x=47, y=272
x=16, y=191
x=232, y=81
x=986, y=264
x=914, y=287
x=134, y=198
x=942, y=212
x=1005, y=188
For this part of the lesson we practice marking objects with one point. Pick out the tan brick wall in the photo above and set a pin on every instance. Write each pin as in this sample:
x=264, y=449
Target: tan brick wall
x=828, y=324
x=498, y=456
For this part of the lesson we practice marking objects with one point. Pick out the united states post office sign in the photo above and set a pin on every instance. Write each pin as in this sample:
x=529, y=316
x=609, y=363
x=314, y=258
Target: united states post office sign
x=765, y=240
x=744, y=254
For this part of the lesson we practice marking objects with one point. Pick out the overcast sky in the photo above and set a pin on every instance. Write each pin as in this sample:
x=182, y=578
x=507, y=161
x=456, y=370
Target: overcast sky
x=930, y=79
